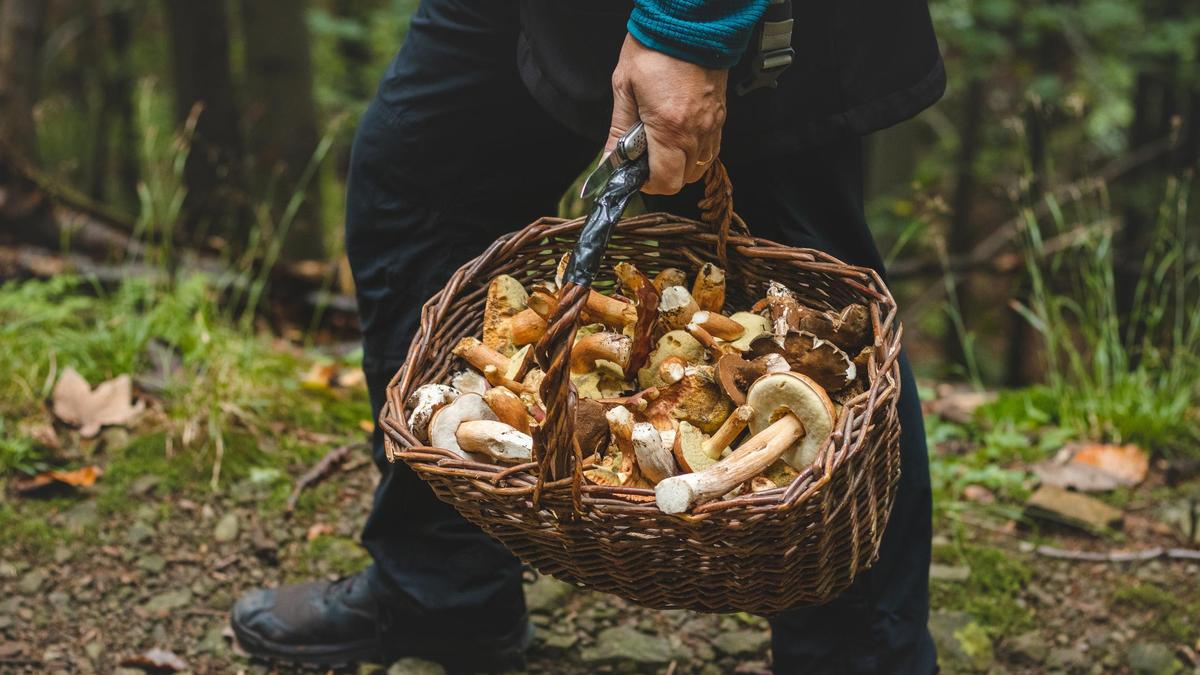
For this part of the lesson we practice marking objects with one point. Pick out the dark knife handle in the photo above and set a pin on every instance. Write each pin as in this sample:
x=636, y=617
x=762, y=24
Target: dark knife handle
x=625, y=182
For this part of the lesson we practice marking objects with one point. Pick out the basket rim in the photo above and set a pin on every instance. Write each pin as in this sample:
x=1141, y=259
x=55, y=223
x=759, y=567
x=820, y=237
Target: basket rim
x=512, y=481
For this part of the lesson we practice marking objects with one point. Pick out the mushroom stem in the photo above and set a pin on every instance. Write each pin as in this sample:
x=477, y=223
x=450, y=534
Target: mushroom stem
x=508, y=407
x=654, y=457
x=671, y=276
x=709, y=288
x=679, y=493
x=676, y=307
x=705, y=338
x=588, y=349
x=543, y=303
x=496, y=378
x=620, y=424
x=480, y=356
x=672, y=369
x=730, y=428
x=497, y=440
x=719, y=325
x=526, y=327
x=610, y=311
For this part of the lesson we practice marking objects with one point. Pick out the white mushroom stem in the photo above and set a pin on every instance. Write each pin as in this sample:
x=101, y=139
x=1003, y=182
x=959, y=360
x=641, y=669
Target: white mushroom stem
x=654, y=457
x=620, y=424
x=496, y=378
x=730, y=428
x=709, y=288
x=679, y=493
x=719, y=325
x=496, y=440
x=479, y=355
x=676, y=307
x=672, y=369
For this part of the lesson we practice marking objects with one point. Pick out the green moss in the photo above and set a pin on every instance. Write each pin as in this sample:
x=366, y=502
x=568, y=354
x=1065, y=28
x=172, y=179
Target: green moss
x=29, y=531
x=991, y=591
x=327, y=555
x=1173, y=616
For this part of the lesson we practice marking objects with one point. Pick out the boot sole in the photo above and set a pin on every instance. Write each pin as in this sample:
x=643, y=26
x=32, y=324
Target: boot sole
x=458, y=656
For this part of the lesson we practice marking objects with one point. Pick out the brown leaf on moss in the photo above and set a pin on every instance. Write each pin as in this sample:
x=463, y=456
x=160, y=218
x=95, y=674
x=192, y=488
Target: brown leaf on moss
x=76, y=403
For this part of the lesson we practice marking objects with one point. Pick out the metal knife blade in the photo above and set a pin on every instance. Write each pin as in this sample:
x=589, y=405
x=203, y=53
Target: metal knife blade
x=631, y=146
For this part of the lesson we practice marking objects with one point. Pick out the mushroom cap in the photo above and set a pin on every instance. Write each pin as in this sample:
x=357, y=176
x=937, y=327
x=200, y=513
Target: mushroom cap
x=424, y=402
x=444, y=425
x=675, y=343
x=689, y=449
x=506, y=296
x=697, y=398
x=809, y=355
x=777, y=394
x=754, y=324
x=736, y=374
x=469, y=381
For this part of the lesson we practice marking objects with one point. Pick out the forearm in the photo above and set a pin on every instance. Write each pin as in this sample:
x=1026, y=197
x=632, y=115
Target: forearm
x=708, y=33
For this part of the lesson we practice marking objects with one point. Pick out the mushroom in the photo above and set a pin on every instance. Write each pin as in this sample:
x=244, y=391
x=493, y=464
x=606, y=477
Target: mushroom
x=543, y=302
x=809, y=355
x=498, y=379
x=509, y=408
x=675, y=343
x=679, y=493
x=494, y=439
x=736, y=374
x=672, y=369
x=754, y=324
x=505, y=298
x=676, y=307
x=654, y=456
x=697, y=398
x=783, y=307
x=620, y=425
x=848, y=328
x=719, y=325
x=610, y=311
x=611, y=347
x=445, y=422
x=709, y=288
x=730, y=429
x=714, y=348
x=781, y=473
x=424, y=402
x=671, y=276
x=479, y=355
x=689, y=449
x=591, y=427
x=793, y=395
x=469, y=381
x=526, y=327
x=761, y=484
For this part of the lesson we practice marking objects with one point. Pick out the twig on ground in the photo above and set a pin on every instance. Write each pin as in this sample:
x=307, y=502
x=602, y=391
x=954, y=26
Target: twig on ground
x=1119, y=556
x=321, y=470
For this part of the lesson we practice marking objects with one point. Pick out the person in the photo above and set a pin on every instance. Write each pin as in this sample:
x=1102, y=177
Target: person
x=485, y=117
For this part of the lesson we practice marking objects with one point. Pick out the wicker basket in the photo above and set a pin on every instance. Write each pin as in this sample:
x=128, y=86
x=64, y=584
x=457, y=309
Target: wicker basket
x=762, y=553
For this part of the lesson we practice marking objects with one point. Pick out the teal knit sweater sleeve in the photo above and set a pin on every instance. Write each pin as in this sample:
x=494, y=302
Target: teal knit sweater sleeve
x=709, y=33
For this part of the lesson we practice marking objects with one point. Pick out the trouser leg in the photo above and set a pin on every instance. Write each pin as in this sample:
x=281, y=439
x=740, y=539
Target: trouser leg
x=814, y=199
x=451, y=153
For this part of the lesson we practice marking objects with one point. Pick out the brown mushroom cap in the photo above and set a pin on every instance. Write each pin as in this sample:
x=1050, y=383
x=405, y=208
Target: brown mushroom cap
x=505, y=298
x=697, y=399
x=675, y=343
x=611, y=347
x=809, y=355
x=736, y=374
x=671, y=276
x=591, y=427
x=754, y=324
x=778, y=394
x=848, y=328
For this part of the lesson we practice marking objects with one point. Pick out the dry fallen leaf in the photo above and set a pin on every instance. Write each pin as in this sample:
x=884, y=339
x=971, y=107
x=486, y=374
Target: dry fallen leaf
x=84, y=477
x=318, y=530
x=156, y=660
x=1094, y=467
x=1129, y=463
x=77, y=404
x=320, y=376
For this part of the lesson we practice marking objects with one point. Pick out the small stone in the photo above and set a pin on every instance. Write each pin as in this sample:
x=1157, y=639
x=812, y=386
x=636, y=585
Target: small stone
x=1029, y=647
x=561, y=642
x=143, y=485
x=623, y=644
x=32, y=581
x=213, y=641
x=80, y=517
x=547, y=594
x=152, y=563
x=94, y=649
x=227, y=528
x=59, y=600
x=949, y=573
x=742, y=642
x=414, y=666
x=165, y=602
x=1072, y=509
x=962, y=644
x=139, y=533
x=62, y=554
x=1153, y=658
x=8, y=570
x=1069, y=659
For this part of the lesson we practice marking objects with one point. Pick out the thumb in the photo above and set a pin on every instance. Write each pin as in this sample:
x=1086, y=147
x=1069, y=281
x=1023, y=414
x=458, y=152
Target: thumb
x=624, y=116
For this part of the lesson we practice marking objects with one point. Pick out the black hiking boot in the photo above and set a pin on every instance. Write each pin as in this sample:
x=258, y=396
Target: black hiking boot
x=343, y=622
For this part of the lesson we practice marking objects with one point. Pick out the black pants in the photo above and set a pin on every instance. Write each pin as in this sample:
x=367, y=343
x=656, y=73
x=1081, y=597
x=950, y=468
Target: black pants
x=453, y=152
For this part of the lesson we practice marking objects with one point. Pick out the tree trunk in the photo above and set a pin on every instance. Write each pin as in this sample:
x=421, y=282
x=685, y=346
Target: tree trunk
x=960, y=237
x=21, y=25
x=199, y=39
x=283, y=117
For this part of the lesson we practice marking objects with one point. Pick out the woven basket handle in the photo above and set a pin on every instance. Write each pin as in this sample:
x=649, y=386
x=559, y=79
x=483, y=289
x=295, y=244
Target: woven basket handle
x=556, y=449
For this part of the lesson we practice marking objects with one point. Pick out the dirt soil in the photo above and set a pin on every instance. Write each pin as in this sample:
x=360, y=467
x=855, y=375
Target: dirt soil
x=85, y=589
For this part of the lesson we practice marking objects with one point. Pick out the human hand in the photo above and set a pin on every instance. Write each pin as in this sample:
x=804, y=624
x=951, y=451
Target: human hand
x=682, y=106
